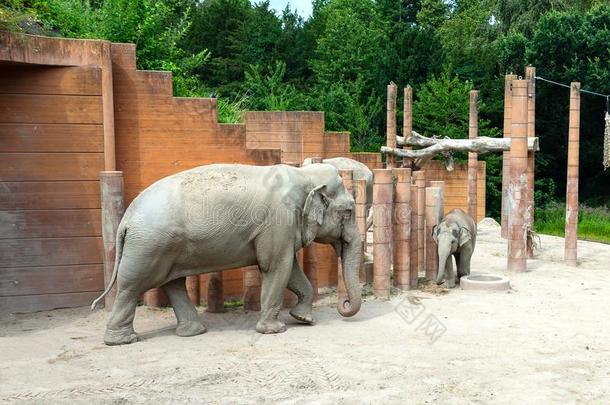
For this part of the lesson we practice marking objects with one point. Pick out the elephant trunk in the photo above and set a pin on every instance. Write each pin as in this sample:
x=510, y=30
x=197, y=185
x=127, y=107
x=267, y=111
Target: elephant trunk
x=443, y=254
x=351, y=256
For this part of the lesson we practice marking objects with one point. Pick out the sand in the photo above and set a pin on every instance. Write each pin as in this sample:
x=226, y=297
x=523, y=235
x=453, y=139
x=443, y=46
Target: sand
x=545, y=341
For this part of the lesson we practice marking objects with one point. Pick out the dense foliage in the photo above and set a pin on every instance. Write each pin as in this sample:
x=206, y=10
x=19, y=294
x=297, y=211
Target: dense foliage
x=341, y=58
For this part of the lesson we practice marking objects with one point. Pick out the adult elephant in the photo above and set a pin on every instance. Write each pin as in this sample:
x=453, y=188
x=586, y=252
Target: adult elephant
x=360, y=171
x=223, y=216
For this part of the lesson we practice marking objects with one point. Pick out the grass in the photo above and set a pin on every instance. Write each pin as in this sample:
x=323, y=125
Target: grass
x=593, y=223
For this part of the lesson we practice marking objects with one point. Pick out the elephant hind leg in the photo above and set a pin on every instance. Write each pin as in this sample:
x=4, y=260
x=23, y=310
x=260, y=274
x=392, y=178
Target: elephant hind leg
x=119, y=330
x=189, y=323
x=300, y=285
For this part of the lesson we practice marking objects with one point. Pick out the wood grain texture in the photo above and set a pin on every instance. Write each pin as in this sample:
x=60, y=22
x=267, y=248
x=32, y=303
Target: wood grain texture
x=19, y=224
x=50, y=166
x=50, y=109
x=32, y=79
x=50, y=252
x=51, y=279
x=51, y=138
x=43, y=302
x=49, y=195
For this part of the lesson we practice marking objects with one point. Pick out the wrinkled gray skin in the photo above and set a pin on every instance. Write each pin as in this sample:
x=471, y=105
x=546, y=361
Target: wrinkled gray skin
x=361, y=171
x=219, y=217
x=455, y=235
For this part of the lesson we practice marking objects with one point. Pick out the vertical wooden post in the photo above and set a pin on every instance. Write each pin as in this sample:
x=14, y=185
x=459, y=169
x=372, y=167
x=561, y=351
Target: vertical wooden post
x=310, y=263
x=155, y=297
x=347, y=175
x=517, y=187
x=407, y=123
x=440, y=184
x=192, y=289
x=108, y=108
x=420, y=182
x=252, y=288
x=111, y=190
x=360, y=198
x=508, y=79
x=391, y=124
x=215, y=298
x=571, y=227
x=382, y=231
x=402, y=228
x=530, y=76
x=414, y=271
x=434, y=214
x=473, y=130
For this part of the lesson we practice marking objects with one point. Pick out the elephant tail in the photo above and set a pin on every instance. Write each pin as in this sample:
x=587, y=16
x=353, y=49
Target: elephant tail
x=120, y=238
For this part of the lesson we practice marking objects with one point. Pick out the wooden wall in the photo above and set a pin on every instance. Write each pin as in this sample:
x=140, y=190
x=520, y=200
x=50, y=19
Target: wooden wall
x=51, y=153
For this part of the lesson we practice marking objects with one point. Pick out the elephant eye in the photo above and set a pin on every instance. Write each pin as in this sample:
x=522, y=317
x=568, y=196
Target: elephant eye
x=347, y=214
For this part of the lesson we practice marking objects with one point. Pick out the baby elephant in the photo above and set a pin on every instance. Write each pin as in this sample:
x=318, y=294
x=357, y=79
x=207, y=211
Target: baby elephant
x=455, y=235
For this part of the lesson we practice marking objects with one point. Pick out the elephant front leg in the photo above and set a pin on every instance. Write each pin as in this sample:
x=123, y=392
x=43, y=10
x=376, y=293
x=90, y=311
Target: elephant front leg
x=189, y=323
x=300, y=285
x=274, y=281
x=463, y=264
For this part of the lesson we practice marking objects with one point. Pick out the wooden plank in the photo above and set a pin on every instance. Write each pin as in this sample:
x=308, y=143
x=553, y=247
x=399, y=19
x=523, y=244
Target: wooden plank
x=49, y=195
x=30, y=79
x=18, y=224
x=51, y=138
x=51, y=279
x=50, y=109
x=33, y=303
x=50, y=166
x=50, y=252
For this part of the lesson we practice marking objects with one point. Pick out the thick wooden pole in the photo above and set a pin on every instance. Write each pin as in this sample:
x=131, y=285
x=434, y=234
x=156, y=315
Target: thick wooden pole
x=391, y=124
x=473, y=132
x=215, y=296
x=402, y=228
x=360, y=198
x=420, y=182
x=111, y=190
x=252, y=288
x=440, y=184
x=517, y=187
x=347, y=175
x=414, y=271
x=571, y=228
x=407, y=123
x=434, y=214
x=155, y=297
x=382, y=231
x=108, y=108
x=508, y=79
x=530, y=76
x=192, y=289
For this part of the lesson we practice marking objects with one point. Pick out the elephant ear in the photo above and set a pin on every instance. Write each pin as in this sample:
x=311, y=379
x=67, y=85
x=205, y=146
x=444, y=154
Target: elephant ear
x=465, y=236
x=435, y=231
x=313, y=214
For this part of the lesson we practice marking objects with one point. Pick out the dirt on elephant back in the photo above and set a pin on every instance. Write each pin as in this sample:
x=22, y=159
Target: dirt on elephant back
x=543, y=341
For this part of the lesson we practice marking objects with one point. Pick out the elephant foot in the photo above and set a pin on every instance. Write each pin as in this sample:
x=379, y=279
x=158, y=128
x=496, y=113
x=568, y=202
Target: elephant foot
x=120, y=337
x=451, y=284
x=270, y=327
x=190, y=328
x=302, y=314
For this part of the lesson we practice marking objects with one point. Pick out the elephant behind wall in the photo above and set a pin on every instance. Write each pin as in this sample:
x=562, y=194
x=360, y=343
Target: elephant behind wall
x=224, y=216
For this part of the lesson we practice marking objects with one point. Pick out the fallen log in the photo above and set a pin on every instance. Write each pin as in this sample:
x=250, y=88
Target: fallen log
x=434, y=146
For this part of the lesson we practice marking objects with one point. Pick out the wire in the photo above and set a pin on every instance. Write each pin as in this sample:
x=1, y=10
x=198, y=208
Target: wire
x=594, y=93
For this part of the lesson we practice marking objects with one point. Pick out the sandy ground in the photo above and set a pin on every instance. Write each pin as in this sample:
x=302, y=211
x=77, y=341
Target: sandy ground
x=545, y=341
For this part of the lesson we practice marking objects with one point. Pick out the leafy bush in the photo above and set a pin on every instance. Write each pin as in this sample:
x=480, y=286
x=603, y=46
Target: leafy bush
x=593, y=222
